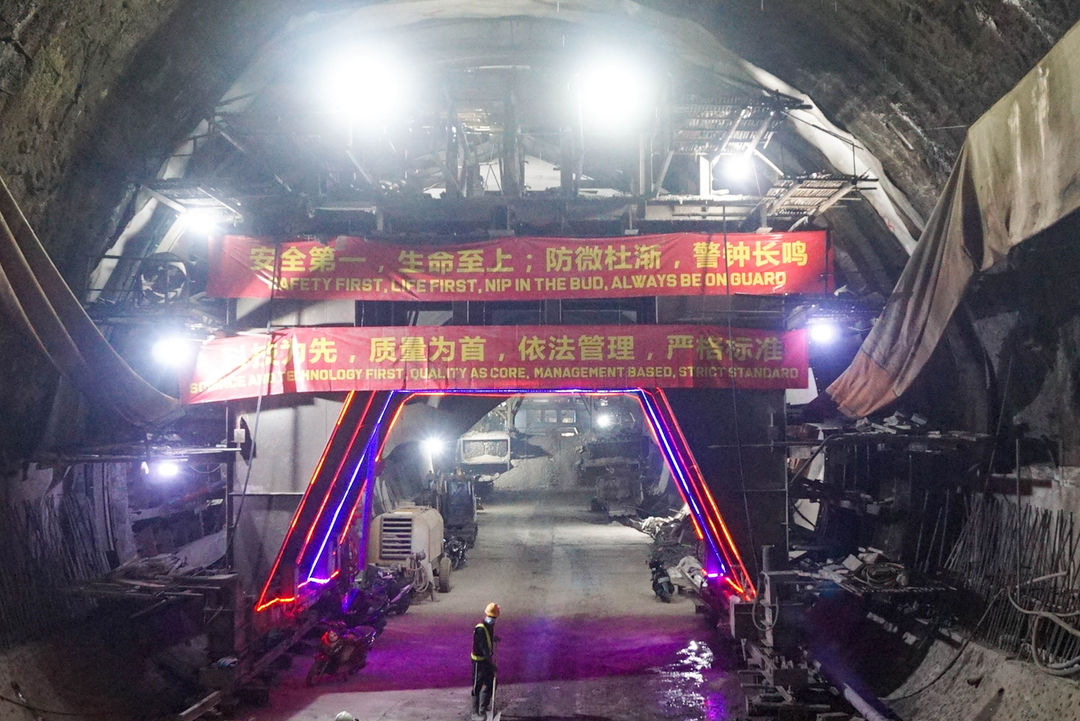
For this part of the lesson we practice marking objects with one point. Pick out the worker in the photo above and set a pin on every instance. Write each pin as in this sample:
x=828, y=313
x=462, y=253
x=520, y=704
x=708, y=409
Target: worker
x=483, y=658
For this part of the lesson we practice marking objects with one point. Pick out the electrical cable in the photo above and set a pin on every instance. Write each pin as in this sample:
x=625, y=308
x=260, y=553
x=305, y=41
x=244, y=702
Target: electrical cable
x=763, y=626
x=53, y=712
x=959, y=653
x=234, y=523
x=1050, y=615
x=815, y=126
x=883, y=574
x=1055, y=668
x=997, y=431
x=734, y=401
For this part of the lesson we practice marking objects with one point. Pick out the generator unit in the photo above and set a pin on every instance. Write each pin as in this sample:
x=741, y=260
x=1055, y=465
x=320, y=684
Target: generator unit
x=406, y=530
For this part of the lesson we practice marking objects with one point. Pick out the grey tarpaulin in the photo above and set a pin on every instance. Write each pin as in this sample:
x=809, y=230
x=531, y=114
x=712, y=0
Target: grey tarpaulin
x=36, y=299
x=1018, y=173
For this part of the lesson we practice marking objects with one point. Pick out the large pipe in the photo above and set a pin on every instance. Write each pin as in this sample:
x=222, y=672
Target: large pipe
x=868, y=710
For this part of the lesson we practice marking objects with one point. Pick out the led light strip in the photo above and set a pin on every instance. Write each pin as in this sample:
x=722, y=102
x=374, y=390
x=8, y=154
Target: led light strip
x=361, y=463
x=263, y=603
x=689, y=480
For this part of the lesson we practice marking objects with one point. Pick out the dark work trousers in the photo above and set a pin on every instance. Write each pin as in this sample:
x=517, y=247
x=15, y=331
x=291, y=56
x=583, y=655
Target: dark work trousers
x=483, y=674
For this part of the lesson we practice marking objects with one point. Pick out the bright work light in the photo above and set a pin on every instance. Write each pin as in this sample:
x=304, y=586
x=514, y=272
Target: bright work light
x=614, y=93
x=368, y=87
x=200, y=221
x=173, y=350
x=823, y=332
x=739, y=167
x=167, y=469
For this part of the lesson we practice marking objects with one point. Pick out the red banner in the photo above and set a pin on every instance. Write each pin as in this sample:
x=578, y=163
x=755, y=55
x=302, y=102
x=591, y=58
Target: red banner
x=308, y=360
x=515, y=268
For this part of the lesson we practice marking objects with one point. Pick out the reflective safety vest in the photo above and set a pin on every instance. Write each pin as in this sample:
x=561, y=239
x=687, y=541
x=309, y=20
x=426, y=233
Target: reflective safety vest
x=491, y=648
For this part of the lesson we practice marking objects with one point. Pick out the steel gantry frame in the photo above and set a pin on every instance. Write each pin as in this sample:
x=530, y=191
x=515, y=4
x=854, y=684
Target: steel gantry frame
x=341, y=483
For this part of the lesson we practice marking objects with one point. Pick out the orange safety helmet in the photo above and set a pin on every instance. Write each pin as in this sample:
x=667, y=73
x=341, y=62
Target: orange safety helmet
x=492, y=610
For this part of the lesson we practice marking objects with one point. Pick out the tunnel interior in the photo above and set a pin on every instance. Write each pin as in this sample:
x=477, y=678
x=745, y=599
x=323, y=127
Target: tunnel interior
x=815, y=261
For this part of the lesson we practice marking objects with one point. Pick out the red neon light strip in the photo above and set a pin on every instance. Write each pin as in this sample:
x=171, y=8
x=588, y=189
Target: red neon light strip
x=271, y=602
x=344, y=458
x=654, y=431
x=708, y=494
x=296, y=516
x=393, y=421
x=691, y=481
x=705, y=487
x=363, y=486
x=695, y=482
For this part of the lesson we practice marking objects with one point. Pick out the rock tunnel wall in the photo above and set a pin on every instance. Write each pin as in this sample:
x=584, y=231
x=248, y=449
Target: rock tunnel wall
x=904, y=77
x=93, y=97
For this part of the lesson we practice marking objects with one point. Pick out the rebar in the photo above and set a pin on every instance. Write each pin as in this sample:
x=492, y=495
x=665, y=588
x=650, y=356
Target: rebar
x=1041, y=576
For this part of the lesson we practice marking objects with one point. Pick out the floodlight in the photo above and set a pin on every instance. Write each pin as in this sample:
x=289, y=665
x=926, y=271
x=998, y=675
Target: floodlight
x=173, y=350
x=604, y=420
x=368, y=87
x=166, y=469
x=432, y=446
x=738, y=168
x=614, y=93
x=823, y=332
x=200, y=221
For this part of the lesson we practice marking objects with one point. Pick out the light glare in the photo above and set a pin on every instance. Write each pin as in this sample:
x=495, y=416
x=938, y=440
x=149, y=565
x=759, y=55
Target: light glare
x=824, y=333
x=167, y=469
x=368, y=87
x=172, y=351
x=739, y=168
x=432, y=446
x=604, y=420
x=614, y=94
x=200, y=221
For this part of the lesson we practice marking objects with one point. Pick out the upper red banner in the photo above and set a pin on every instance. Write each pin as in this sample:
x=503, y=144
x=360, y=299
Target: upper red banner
x=312, y=360
x=526, y=268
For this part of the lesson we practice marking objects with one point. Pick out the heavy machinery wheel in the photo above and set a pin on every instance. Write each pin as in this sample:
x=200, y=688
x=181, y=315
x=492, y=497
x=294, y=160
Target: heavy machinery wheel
x=444, y=574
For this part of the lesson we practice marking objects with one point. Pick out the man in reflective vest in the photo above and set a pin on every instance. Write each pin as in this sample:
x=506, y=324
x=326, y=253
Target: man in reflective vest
x=483, y=659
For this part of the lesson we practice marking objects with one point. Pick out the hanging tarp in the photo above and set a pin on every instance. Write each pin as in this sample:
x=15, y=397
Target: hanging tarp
x=1018, y=174
x=524, y=268
x=36, y=299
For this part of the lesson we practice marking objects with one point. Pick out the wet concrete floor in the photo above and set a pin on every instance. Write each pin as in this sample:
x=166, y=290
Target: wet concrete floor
x=582, y=635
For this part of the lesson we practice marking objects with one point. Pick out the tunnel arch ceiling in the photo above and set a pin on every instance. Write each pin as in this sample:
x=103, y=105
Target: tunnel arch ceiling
x=94, y=96
x=466, y=53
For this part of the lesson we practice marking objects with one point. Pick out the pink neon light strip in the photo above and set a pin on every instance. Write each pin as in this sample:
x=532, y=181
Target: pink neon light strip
x=689, y=480
x=263, y=603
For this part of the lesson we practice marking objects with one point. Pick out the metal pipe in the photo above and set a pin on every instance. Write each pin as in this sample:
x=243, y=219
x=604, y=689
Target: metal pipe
x=864, y=707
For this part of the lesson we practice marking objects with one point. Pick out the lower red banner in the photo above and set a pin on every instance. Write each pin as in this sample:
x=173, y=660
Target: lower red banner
x=319, y=360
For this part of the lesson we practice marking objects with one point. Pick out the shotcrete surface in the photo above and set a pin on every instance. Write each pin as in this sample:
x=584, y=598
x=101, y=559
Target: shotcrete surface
x=582, y=634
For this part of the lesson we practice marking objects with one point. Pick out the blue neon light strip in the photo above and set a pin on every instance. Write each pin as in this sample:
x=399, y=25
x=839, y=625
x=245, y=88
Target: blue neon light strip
x=681, y=474
x=665, y=441
x=372, y=438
